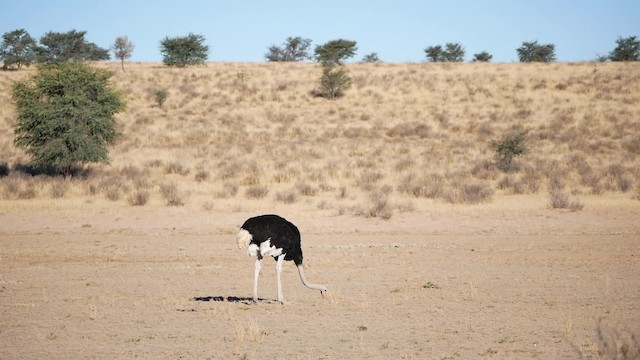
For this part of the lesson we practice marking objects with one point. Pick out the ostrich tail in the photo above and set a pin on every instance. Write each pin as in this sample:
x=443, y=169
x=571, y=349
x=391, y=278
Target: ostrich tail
x=243, y=239
x=320, y=287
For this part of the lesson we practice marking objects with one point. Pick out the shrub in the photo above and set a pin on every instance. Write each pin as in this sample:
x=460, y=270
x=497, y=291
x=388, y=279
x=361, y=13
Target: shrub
x=113, y=193
x=256, y=192
x=561, y=200
x=430, y=186
x=228, y=190
x=306, y=189
x=287, y=196
x=160, y=96
x=139, y=198
x=508, y=148
x=176, y=168
x=171, y=194
x=476, y=193
x=334, y=82
x=202, y=175
x=378, y=205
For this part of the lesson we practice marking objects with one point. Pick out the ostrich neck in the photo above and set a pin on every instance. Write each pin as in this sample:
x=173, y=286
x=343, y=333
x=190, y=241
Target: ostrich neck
x=305, y=283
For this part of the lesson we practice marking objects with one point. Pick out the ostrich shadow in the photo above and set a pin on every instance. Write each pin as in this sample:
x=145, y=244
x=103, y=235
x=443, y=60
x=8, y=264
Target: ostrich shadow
x=232, y=299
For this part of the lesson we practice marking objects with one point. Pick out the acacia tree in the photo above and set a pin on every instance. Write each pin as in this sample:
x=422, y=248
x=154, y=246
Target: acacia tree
x=122, y=49
x=334, y=80
x=65, y=115
x=371, y=58
x=452, y=52
x=17, y=48
x=627, y=49
x=294, y=49
x=508, y=148
x=533, y=52
x=184, y=51
x=434, y=53
x=482, y=57
x=70, y=46
x=334, y=52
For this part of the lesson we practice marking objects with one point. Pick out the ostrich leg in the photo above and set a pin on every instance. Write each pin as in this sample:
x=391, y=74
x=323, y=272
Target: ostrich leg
x=255, y=277
x=279, y=274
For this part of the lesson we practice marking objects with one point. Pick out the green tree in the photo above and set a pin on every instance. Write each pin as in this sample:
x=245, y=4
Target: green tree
x=334, y=82
x=371, y=58
x=508, y=148
x=482, y=57
x=334, y=52
x=184, y=51
x=161, y=96
x=434, y=53
x=122, y=49
x=294, y=49
x=453, y=52
x=70, y=46
x=17, y=48
x=66, y=115
x=627, y=49
x=533, y=52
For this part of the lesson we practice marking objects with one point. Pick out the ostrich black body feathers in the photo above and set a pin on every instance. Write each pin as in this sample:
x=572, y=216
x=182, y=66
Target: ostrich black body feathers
x=280, y=233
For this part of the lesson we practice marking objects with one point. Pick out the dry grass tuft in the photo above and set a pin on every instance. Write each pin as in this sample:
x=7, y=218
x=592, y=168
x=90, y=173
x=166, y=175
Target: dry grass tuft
x=139, y=198
x=248, y=330
x=561, y=200
x=256, y=192
x=171, y=194
x=287, y=196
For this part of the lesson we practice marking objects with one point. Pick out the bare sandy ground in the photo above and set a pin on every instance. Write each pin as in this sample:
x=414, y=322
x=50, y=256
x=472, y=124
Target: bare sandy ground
x=508, y=280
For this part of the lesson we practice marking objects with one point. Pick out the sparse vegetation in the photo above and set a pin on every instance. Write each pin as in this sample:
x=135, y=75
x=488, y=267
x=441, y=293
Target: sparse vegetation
x=421, y=133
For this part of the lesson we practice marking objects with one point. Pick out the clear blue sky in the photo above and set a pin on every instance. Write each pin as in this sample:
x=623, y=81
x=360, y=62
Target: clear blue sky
x=398, y=30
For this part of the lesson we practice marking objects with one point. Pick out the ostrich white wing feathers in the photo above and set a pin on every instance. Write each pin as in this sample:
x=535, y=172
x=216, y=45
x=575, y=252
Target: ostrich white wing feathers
x=266, y=249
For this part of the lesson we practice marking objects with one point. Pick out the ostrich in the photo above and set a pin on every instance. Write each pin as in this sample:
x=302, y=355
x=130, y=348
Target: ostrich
x=271, y=235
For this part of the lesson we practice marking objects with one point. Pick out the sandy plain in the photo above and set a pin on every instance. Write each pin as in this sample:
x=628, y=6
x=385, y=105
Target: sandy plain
x=511, y=279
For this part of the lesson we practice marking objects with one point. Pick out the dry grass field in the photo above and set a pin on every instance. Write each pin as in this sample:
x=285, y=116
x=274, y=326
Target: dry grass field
x=429, y=251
